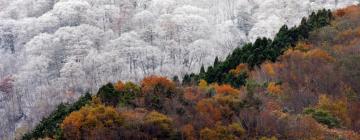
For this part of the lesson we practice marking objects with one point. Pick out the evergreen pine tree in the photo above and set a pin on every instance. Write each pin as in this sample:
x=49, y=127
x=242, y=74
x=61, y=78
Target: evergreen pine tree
x=216, y=62
x=202, y=72
x=175, y=79
x=108, y=95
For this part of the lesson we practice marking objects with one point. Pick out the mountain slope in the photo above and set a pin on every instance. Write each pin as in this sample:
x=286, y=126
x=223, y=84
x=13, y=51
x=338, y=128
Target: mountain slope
x=311, y=91
x=51, y=51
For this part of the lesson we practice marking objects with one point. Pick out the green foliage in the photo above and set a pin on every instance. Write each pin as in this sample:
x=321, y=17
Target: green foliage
x=236, y=81
x=176, y=80
x=202, y=72
x=216, y=62
x=154, y=101
x=129, y=93
x=323, y=117
x=108, y=95
x=191, y=79
x=186, y=80
x=50, y=126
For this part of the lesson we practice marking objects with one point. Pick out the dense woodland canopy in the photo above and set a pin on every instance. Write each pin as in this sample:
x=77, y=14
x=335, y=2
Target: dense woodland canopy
x=304, y=84
x=54, y=51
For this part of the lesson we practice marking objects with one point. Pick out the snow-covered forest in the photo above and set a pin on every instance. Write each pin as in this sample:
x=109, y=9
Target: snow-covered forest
x=52, y=51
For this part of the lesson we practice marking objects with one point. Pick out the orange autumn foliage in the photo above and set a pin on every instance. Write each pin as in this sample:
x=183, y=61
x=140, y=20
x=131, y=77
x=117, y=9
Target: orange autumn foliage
x=346, y=34
x=303, y=46
x=349, y=37
x=272, y=105
x=208, y=134
x=72, y=125
x=351, y=11
x=226, y=90
x=269, y=69
x=273, y=88
x=340, y=13
x=292, y=53
x=192, y=94
x=241, y=68
x=313, y=54
x=157, y=85
x=119, y=86
x=189, y=132
x=208, y=111
x=90, y=121
x=318, y=53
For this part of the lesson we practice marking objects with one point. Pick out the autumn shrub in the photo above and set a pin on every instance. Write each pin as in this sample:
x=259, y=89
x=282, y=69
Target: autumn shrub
x=192, y=94
x=156, y=89
x=226, y=90
x=304, y=46
x=235, y=103
x=158, y=86
x=269, y=69
x=233, y=131
x=348, y=12
x=119, y=86
x=158, y=125
x=273, y=88
x=241, y=68
x=208, y=134
x=230, y=99
x=188, y=132
x=203, y=84
x=208, y=111
x=92, y=122
x=319, y=54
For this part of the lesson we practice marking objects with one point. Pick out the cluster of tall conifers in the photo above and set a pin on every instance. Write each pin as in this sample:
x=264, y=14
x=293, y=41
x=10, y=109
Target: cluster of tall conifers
x=261, y=50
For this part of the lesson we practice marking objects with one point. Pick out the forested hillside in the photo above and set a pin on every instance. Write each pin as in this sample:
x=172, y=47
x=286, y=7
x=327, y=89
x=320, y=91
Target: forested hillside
x=303, y=84
x=54, y=51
